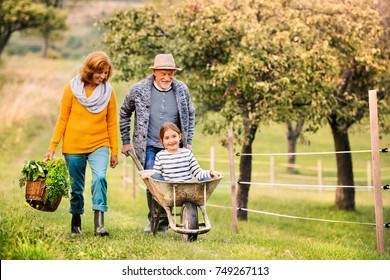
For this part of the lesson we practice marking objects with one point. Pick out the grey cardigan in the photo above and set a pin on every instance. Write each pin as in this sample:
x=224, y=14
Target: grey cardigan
x=138, y=100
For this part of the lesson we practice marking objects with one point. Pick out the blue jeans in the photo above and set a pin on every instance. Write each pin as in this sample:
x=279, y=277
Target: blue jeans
x=158, y=177
x=150, y=156
x=77, y=163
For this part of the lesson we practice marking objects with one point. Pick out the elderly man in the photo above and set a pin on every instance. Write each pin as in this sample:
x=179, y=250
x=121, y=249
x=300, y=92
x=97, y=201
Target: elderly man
x=157, y=99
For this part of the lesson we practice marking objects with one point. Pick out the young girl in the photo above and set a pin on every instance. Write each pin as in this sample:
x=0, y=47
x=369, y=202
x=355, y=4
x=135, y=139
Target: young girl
x=177, y=164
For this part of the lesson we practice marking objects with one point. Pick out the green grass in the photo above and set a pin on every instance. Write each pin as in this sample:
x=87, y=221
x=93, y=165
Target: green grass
x=26, y=233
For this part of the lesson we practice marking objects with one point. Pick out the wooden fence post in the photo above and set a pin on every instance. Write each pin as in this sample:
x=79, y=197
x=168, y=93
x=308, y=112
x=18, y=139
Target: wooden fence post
x=133, y=177
x=232, y=181
x=272, y=171
x=319, y=174
x=125, y=179
x=376, y=170
x=124, y=174
x=212, y=158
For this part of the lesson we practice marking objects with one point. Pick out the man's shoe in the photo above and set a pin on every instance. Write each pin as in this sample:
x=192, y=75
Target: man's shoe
x=148, y=228
x=163, y=225
x=162, y=228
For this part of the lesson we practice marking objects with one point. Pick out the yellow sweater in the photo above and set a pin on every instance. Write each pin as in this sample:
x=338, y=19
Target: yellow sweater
x=82, y=131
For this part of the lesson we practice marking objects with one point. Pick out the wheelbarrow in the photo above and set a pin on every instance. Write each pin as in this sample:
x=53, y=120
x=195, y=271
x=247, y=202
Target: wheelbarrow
x=188, y=195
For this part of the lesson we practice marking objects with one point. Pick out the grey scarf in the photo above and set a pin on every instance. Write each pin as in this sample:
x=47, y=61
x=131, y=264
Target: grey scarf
x=99, y=98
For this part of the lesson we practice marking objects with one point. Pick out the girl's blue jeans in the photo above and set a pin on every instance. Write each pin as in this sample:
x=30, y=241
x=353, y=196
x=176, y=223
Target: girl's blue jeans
x=77, y=163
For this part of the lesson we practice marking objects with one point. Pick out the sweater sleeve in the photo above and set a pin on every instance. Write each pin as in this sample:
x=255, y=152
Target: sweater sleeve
x=112, y=124
x=125, y=113
x=195, y=168
x=191, y=120
x=62, y=120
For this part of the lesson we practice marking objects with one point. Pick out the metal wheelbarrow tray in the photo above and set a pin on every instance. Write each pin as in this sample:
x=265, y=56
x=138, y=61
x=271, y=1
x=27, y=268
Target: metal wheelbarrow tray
x=188, y=195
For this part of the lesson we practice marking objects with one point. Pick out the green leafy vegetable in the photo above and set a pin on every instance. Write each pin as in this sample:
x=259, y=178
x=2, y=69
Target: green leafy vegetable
x=32, y=171
x=55, y=173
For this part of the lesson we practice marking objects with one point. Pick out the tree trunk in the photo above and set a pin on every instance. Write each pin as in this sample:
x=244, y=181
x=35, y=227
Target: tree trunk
x=245, y=172
x=245, y=176
x=292, y=136
x=345, y=197
x=4, y=40
x=45, y=46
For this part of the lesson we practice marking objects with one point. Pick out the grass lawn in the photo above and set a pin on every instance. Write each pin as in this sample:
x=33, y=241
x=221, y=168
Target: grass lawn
x=28, y=234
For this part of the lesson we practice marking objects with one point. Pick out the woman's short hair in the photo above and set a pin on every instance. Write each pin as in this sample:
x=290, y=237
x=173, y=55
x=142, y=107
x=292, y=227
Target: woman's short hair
x=95, y=62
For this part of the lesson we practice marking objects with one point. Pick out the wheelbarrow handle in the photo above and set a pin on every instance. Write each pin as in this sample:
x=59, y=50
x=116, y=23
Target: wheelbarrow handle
x=140, y=168
x=135, y=159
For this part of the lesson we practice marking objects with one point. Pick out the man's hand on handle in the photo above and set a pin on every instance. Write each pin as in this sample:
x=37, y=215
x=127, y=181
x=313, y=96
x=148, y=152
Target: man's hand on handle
x=127, y=149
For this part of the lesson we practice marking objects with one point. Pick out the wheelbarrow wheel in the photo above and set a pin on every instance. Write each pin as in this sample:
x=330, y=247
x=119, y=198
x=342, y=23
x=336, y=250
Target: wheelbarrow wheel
x=189, y=220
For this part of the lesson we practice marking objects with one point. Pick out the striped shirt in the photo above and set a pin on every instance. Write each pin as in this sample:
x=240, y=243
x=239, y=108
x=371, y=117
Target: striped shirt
x=179, y=167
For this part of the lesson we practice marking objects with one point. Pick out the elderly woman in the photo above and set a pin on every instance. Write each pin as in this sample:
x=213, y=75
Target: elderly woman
x=87, y=125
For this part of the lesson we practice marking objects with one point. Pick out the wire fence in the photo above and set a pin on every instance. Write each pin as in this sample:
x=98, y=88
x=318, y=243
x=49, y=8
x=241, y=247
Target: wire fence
x=319, y=186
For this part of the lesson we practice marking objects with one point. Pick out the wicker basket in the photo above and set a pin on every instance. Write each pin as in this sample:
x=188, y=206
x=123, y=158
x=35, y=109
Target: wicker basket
x=35, y=193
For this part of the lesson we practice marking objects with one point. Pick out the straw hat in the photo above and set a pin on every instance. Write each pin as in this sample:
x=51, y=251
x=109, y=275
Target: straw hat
x=164, y=61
